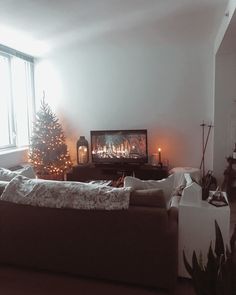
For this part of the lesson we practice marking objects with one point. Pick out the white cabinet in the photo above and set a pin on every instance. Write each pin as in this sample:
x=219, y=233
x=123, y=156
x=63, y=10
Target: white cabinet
x=197, y=229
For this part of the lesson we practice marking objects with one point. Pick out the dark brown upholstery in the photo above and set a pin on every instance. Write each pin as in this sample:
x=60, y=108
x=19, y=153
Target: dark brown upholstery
x=138, y=245
x=19, y=281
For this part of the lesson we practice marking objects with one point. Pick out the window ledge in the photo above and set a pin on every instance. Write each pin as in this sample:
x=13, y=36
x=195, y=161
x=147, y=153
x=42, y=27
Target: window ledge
x=13, y=150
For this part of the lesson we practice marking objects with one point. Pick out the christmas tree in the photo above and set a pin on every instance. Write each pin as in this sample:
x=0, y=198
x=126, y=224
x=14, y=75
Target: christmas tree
x=48, y=151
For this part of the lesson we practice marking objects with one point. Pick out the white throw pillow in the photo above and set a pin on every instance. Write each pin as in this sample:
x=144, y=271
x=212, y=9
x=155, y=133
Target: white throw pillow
x=27, y=171
x=166, y=185
x=8, y=175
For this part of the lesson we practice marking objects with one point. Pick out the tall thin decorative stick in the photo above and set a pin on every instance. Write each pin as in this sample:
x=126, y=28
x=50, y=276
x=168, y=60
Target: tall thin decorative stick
x=203, y=154
x=205, y=146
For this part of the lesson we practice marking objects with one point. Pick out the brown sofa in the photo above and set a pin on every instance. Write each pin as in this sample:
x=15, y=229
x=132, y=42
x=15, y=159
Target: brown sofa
x=137, y=246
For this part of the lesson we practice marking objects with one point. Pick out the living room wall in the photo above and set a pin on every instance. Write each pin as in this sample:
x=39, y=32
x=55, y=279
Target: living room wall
x=225, y=115
x=127, y=83
x=225, y=90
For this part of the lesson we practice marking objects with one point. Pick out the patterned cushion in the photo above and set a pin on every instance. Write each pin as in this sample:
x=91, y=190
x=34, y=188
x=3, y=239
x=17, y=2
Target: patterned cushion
x=64, y=194
x=8, y=175
x=27, y=171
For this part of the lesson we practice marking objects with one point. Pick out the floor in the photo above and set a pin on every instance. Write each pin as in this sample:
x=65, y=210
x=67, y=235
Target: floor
x=25, y=282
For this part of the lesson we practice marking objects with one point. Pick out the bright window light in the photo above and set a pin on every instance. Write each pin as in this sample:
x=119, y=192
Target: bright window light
x=17, y=100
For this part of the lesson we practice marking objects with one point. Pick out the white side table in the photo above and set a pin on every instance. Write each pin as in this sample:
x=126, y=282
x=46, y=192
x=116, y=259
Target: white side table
x=197, y=230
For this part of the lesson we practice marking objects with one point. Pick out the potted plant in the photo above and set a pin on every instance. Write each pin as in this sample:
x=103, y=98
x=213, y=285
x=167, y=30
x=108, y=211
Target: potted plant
x=218, y=275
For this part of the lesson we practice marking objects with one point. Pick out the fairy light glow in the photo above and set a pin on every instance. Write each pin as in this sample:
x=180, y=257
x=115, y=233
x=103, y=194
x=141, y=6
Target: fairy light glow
x=48, y=151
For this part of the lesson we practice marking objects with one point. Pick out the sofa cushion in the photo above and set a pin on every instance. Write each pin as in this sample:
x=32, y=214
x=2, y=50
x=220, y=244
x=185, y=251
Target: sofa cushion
x=3, y=184
x=148, y=198
x=165, y=184
x=27, y=171
x=65, y=194
x=8, y=175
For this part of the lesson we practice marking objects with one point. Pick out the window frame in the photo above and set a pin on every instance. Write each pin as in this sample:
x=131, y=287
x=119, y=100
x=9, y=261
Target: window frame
x=10, y=53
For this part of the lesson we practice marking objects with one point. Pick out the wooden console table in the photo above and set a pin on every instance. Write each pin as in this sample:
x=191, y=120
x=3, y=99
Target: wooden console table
x=113, y=172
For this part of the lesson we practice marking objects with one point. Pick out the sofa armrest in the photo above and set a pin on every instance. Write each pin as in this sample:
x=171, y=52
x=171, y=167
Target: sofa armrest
x=172, y=240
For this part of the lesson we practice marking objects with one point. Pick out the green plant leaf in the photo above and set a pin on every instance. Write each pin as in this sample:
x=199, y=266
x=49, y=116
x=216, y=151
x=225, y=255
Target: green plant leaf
x=219, y=243
x=225, y=279
x=195, y=263
x=200, y=261
x=227, y=252
x=211, y=270
x=199, y=280
x=232, y=240
x=218, y=276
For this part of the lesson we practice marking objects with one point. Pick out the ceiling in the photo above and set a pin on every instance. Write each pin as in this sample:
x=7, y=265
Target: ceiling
x=40, y=26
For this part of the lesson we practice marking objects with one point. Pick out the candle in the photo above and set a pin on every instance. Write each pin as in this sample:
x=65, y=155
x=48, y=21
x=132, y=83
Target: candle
x=83, y=155
x=159, y=155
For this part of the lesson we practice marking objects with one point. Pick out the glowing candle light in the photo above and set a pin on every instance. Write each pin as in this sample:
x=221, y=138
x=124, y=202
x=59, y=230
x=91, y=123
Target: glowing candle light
x=82, y=154
x=82, y=150
x=159, y=155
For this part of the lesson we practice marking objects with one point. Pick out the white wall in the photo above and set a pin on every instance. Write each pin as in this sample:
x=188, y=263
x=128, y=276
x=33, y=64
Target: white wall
x=164, y=87
x=224, y=24
x=225, y=111
x=225, y=92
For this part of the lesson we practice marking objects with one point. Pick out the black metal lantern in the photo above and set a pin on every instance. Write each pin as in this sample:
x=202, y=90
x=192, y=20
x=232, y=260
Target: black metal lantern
x=82, y=150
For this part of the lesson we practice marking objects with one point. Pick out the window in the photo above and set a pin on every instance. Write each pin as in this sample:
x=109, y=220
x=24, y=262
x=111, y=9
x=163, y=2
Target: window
x=16, y=98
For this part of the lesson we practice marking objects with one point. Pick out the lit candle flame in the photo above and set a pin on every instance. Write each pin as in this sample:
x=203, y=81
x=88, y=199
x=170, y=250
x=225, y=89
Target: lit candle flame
x=159, y=155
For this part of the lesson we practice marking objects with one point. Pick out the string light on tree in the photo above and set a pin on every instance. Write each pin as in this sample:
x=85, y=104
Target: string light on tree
x=48, y=151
